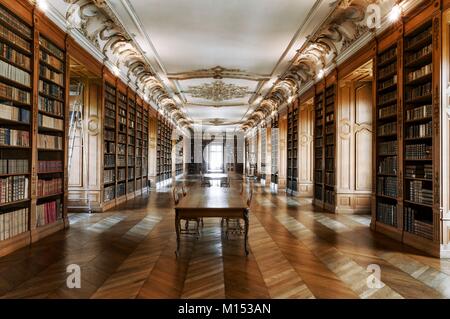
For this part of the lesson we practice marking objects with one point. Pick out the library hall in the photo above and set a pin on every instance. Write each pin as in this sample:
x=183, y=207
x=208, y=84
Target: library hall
x=235, y=150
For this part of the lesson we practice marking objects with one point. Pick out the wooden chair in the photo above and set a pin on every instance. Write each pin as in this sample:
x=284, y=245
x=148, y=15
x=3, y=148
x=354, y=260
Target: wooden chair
x=186, y=230
x=204, y=182
x=225, y=183
x=237, y=228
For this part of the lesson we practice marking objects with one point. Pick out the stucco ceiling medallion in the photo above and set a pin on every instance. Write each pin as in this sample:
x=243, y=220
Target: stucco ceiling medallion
x=218, y=91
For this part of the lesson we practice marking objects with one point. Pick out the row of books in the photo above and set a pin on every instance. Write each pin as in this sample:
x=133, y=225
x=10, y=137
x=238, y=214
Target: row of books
x=387, y=129
x=12, y=113
x=53, y=49
x=15, y=74
x=9, y=19
x=420, y=192
x=121, y=189
x=109, y=176
x=419, y=130
x=13, y=223
x=109, y=193
x=391, y=68
x=11, y=137
x=48, y=213
x=388, y=148
x=110, y=147
x=318, y=177
x=121, y=149
x=418, y=151
x=419, y=112
x=112, y=91
x=416, y=74
x=14, y=166
x=419, y=54
x=50, y=142
x=318, y=192
x=388, y=83
x=412, y=225
x=13, y=188
x=387, y=186
x=110, y=112
x=121, y=174
x=329, y=178
x=51, y=60
x=14, y=56
x=121, y=160
x=122, y=138
x=14, y=94
x=387, y=213
x=329, y=151
x=51, y=106
x=110, y=136
x=329, y=196
x=329, y=118
x=387, y=55
x=109, y=122
x=416, y=39
x=51, y=89
x=49, y=186
x=110, y=160
x=329, y=164
x=130, y=172
x=50, y=166
x=51, y=75
x=50, y=122
x=388, y=165
x=10, y=36
x=387, y=97
x=424, y=171
x=419, y=91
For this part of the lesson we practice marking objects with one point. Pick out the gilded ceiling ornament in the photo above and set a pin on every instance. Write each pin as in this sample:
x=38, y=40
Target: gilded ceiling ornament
x=218, y=91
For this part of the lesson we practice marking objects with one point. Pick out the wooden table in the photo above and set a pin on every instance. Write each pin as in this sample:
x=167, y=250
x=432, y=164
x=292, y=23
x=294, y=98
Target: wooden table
x=212, y=202
x=215, y=176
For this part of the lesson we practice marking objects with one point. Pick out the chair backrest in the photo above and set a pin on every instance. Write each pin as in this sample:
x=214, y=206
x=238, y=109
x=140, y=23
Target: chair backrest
x=250, y=197
x=242, y=188
x=183, y=190
x=176, y=197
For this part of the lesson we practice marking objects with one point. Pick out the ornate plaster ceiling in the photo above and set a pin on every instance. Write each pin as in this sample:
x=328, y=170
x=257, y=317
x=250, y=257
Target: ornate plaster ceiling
x=218, y=59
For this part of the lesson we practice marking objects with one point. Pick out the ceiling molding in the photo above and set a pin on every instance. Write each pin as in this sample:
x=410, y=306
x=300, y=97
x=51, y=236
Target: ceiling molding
x=218, y=72
x=99, y=25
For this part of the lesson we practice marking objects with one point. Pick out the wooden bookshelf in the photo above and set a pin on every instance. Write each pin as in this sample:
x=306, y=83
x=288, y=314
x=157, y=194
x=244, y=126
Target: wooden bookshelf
x=406, y=192
x=263, y=151
x=138, y=149
x=419, y=223
x=16, y=118
x=33, y=124
x=319, y=151
x=110, y=145
x=145, y=128
x=292, y=148
x=164, y=151
x=131, y=148
x=274, y=153
x=387, y=139
x=179, y=155
x=121, y=160
x=330, y=148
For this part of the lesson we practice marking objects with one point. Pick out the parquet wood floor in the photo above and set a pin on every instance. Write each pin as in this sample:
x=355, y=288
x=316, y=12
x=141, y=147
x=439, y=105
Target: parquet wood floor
x=296, y=251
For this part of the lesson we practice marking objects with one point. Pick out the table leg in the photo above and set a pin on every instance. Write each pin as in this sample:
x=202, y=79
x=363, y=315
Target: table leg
x=177, y=229
x=246, y=231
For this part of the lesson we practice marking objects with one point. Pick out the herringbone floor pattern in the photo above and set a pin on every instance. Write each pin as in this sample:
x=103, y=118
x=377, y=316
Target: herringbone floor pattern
x=296, y=251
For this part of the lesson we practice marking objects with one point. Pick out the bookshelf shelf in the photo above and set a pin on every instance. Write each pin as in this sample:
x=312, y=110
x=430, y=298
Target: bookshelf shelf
x=386, y=116
x=164, y=151
x=292, y=148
